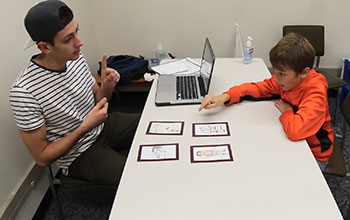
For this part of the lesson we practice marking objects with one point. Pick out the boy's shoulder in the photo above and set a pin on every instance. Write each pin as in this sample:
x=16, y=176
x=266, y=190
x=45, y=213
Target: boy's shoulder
x=315, y=78
x=315, y=82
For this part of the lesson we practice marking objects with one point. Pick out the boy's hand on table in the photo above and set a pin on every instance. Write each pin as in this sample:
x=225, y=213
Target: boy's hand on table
x=283, y=106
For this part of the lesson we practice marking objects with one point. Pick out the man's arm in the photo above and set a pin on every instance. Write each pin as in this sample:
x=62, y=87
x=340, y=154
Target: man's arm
x=45, y=153
x=109, y=78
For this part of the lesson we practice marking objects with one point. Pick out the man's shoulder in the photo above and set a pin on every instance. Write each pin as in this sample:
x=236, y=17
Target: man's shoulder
x=25, y=76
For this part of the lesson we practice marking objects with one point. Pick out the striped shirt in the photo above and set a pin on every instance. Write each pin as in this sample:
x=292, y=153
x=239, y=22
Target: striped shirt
x=60, y=100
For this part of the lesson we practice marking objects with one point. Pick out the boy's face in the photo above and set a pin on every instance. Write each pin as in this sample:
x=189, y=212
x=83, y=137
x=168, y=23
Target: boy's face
x=289, y=79
x=67, y=43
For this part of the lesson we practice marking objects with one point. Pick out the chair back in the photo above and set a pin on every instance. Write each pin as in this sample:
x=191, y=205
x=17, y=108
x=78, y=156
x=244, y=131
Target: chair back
x=313, y=33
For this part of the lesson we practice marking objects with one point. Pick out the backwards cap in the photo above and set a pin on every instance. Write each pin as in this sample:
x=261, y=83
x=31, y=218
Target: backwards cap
x=45, y=19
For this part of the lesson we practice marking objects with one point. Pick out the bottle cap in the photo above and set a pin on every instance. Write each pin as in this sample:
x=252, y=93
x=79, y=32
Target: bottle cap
x=159, y=46
x=249, y=41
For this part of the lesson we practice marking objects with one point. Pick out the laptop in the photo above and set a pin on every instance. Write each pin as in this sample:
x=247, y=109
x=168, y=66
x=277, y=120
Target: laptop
x=187, y=88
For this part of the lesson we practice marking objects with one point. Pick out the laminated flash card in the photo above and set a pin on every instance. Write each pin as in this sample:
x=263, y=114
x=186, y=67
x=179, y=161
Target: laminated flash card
x=158, y=152
x=165, y=127
x=210, y=129
x=211, y=153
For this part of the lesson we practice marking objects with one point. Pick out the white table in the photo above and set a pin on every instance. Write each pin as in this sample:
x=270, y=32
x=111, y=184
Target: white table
x=271, y=177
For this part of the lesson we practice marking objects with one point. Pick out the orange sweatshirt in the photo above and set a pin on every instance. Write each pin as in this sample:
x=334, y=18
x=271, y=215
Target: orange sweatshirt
x=310, y=119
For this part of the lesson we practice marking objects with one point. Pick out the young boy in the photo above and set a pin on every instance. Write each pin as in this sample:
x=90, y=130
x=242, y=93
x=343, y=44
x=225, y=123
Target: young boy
x=302, y=95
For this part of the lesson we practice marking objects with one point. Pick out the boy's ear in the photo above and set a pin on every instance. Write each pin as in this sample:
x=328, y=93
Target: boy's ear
x=305, y=72
x=44, y=47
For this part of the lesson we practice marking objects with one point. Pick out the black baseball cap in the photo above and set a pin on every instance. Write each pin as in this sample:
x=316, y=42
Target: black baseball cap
x=45, y=19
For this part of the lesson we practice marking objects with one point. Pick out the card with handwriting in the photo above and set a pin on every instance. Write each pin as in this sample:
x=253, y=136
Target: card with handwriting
x=211, y=153
x=210, y=129
x=165, y=128
x=158, y=152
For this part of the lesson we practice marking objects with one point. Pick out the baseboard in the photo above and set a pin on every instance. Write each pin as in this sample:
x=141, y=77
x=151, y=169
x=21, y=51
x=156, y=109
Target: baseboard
x=21, y=192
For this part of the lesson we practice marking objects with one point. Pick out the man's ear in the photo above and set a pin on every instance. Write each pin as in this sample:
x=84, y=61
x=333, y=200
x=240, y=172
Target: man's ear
x=44, y=47
x=305, y=72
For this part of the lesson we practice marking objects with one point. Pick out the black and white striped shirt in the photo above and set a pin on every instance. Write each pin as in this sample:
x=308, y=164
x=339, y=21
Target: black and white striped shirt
x=60, y=100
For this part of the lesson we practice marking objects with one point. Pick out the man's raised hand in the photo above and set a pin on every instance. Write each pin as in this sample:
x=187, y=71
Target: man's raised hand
x=109, y=76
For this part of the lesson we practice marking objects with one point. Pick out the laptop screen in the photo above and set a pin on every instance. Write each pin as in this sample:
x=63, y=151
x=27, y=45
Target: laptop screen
x=207, y=64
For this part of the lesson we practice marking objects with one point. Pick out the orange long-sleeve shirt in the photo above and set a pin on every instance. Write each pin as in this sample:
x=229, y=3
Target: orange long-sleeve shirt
x=310, y=119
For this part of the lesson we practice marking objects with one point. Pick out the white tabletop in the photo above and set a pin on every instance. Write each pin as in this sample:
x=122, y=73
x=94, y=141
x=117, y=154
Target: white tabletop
x=271, y=177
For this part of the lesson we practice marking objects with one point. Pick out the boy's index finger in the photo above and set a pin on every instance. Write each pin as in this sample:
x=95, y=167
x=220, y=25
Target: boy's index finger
x=104, y=64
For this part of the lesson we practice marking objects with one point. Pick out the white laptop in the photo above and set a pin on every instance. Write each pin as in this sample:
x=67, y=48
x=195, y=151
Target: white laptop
x=190, y=88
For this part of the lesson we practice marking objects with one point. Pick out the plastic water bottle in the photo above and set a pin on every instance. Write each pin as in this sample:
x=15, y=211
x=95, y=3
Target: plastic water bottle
x=248, y=51
x=160, y=53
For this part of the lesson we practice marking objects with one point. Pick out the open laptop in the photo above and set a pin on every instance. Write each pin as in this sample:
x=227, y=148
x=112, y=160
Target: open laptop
x=190, y=88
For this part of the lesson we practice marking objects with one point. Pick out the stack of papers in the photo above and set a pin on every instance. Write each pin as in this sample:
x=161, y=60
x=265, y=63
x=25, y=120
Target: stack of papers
x=183, y=66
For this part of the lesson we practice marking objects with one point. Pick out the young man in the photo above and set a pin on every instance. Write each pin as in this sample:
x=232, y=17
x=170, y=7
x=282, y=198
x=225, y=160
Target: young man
x=59, y=109
x=302, y=95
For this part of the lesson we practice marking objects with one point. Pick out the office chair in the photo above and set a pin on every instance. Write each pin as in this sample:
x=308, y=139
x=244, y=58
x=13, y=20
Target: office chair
x=54, y=182
x=57, y=180
x=315, y=35
x=336, y=165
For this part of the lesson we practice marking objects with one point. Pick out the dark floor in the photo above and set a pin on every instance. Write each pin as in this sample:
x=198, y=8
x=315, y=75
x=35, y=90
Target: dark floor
x=88, y=202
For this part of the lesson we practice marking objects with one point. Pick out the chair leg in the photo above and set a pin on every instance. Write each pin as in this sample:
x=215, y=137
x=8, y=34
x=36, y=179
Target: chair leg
x=54, y=195
x=345, y=130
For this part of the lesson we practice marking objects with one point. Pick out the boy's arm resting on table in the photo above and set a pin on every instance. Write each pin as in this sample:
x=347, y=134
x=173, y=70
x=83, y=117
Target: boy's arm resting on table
x=266, y=88
x=308, y=119
x=262, y=89
x=45, y=153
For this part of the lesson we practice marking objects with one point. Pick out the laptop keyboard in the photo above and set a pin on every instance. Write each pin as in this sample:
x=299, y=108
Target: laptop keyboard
x=201, y=86
x=186, y=87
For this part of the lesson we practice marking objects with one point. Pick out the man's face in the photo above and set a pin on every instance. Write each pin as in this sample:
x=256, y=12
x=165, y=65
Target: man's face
x=289, y=79
x=67, y=43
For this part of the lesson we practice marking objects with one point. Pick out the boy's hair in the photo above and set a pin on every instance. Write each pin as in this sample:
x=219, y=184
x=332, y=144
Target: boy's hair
x=293, y=51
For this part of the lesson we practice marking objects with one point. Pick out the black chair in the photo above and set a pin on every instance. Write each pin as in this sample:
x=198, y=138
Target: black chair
x=336, y=165
x=54, y=182
x=315, y=35
x=57, y=180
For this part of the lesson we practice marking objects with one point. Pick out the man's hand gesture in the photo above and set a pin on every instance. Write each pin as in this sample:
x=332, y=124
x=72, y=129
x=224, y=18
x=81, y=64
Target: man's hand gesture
x=109, y=77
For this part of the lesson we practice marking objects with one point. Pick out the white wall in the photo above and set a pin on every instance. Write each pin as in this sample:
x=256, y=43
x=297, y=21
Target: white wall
x=135, y=27
x=14, y=157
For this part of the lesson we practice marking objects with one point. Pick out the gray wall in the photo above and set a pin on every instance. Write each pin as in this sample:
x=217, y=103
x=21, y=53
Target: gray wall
x=135, y=27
